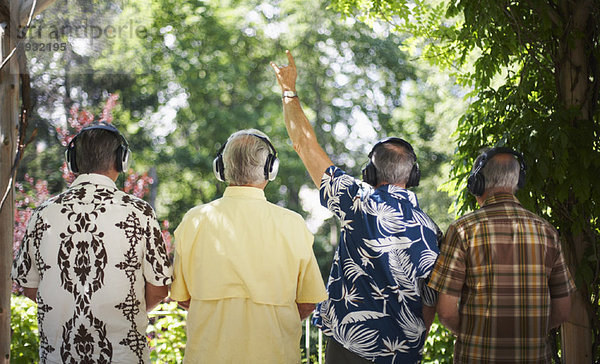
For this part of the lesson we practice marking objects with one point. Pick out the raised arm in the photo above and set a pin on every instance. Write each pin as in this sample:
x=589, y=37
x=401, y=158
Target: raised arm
x=298, y=127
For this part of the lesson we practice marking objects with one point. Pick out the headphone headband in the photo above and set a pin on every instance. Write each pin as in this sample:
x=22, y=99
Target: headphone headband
x=394, y=140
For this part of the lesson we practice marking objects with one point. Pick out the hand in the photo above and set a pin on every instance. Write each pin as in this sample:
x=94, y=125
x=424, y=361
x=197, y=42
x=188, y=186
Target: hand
x=286, y=75
x=184, y=304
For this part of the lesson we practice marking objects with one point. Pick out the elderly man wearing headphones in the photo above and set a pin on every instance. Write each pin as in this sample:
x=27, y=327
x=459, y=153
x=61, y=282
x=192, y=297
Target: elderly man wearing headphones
x=379, y=306
x=501, y=274
x=94, y=259
x=244, y=267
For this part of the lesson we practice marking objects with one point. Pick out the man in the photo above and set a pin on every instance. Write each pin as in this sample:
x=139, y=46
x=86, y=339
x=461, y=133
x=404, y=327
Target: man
x=379, y=307
x=501, y=276
x=244, y=267
x=94, y=260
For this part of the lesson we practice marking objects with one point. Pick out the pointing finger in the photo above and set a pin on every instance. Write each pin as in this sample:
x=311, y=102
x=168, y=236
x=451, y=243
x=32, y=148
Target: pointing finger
x=290, y=58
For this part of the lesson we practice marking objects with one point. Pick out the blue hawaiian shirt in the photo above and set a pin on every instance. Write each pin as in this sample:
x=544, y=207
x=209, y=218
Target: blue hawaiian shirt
x=377, y=285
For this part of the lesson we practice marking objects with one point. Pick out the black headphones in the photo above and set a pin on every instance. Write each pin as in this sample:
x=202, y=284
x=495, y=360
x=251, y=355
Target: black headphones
x=369, y=173
x=271, y=164
x=122, y=153
x=476, y=181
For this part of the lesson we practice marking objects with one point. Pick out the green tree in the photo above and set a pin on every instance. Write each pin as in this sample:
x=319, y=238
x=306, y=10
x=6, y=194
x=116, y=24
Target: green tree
x=207, y=64
x=534, y=69
x=215, y=58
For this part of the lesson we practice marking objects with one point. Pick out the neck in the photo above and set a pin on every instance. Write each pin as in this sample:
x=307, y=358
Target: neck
x=489, y=192
x=401, y=185
x=112, y=174
x=260, y=186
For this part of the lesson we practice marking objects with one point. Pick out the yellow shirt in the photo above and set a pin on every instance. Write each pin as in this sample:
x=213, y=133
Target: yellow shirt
x=245, y=263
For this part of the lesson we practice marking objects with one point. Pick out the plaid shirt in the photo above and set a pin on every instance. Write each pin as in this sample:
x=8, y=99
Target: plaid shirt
x=506, y=264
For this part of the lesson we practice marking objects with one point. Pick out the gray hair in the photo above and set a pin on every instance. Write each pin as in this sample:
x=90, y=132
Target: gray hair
x=393, y=162
x=500, y=172
x=244, y=158
x=96, y=151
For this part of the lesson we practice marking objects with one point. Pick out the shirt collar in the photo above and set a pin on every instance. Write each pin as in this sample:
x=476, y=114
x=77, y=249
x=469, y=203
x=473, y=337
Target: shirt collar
x=400, y=193
x=245, y=192
x=94, y=178
x=501, y=197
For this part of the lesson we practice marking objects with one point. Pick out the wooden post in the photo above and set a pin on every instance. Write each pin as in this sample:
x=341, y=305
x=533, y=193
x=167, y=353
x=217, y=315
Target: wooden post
x=19, y=12
x=577, y=333
x=9, y=113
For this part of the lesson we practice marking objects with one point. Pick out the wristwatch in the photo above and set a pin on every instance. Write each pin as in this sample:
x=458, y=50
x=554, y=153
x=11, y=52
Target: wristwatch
x=289, y=94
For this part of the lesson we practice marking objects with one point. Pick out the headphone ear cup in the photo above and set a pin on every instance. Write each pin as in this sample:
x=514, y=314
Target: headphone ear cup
x=476, y=184
x=218, y=169
x=268, y=166
x=369, y=174
x=274, y=168
x=122, y=163
x=68, y=161
x=415, y=176
x=70, y=158
x=521, y=182
x=125, y=159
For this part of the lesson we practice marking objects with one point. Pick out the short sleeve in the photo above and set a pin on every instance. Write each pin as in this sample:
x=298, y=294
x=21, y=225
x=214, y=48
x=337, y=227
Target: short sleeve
x=428, y=294
x=24, y=272
x=449, y=272
x=310, y=283
x=157, y=266
x=560, y=282
x=179, y=288
x=339, y=191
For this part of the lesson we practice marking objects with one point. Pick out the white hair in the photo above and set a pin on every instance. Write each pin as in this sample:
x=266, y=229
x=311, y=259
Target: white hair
x=244, y=158
x=393, y=162
x=501, y=173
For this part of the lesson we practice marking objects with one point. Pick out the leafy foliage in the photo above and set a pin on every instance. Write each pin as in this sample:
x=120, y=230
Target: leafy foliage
x=24, y=329
x=439, y=347
x=167, y=335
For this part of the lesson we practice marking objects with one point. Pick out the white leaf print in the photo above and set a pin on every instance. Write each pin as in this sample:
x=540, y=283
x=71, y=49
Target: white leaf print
x=326, y=185
x=379, y=294
x=359, y=316
x=333, y=205
x=412, y=326
x=356, y=204
x=358, y=339
x=365, y=257
x=403, y=194
x=394, y=347
x=426, y=262
x=385, y=245
x=350, y=297
x=424, y=220
x=341, y=183
x=328, y=315
x=389, y=220
x=345, y=224
x=403, y=272
x=352, y=270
